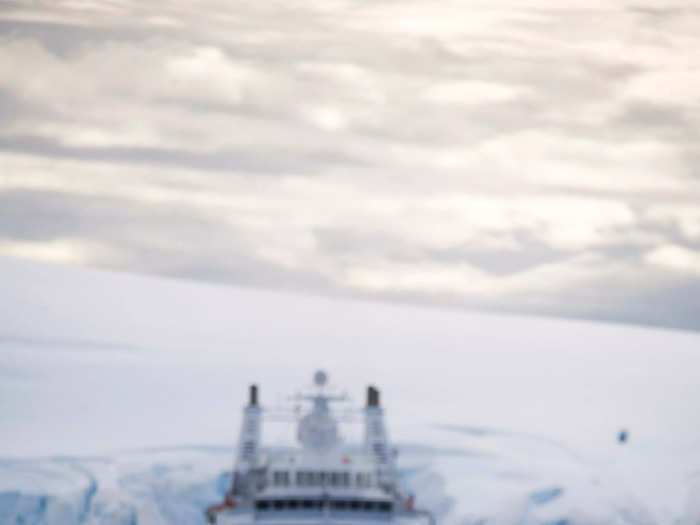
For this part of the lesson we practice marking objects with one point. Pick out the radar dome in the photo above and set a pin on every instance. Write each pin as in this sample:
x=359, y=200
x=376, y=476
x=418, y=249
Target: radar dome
x=320, y=378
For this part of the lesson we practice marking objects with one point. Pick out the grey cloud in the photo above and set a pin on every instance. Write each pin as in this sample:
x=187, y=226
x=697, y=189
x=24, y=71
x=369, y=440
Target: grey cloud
x=691, y=158
x=14, y=109
x=66, y=40
x=162, y=239
x=45, y=215
x=346, y=241
x=40, y=216
x=529, y=252
x=644, y=119
x=269, y=161
x=647, y=306
x=656, y=14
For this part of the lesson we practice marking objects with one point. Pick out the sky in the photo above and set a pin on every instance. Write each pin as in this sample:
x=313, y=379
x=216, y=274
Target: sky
x=531, y=157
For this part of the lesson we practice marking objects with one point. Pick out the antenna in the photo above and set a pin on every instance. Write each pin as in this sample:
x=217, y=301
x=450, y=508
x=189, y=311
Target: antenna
x=372, y=397
x=253, y=397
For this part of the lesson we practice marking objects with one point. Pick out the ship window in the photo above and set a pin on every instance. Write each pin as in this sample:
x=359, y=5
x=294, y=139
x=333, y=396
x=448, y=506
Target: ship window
x=293, y=504
x=340, y=504
x=307, y=504
x=248, y=449
x=379, y=451
x=346, y=479
x=335, y=479
x=385, y=506
x=279, y=504
x=281, y=478
x=315, y=478
x=262, y=505
x=354, y=505
x=369, y=505
x=363, y=479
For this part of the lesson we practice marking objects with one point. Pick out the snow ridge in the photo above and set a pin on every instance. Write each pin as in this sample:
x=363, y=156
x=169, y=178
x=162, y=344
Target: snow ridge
x=499, y=420
x=507, y=482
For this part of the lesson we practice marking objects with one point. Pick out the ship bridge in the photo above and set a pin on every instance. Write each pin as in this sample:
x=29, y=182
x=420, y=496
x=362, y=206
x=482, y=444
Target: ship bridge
x=323, y=481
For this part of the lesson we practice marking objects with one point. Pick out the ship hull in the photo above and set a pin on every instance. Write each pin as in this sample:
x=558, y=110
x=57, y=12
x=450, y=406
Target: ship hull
x=248, y=518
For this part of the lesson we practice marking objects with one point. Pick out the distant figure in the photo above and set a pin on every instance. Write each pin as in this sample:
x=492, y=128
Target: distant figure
x=622, y=436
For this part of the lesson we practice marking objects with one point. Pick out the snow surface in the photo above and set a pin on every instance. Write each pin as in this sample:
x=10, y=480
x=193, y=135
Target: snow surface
x=120, y=401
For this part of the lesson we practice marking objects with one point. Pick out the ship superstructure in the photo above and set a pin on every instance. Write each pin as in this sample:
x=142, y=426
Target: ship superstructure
x=325, y=480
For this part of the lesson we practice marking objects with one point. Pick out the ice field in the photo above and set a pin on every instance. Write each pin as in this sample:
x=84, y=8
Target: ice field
x=120, y=400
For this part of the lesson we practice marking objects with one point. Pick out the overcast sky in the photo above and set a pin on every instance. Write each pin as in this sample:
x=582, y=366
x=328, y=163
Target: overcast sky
x=541, y=159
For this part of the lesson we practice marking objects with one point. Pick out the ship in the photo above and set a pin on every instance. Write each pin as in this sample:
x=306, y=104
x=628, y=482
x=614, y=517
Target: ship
x=324, y=480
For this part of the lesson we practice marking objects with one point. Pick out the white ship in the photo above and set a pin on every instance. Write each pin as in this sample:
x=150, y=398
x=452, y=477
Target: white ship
x=325, y=481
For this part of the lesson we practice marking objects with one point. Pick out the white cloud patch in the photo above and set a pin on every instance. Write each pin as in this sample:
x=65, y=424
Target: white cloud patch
x=209, y=74
x=59, y=250
x=326, y=118
x=470, y=93
x=675, y=258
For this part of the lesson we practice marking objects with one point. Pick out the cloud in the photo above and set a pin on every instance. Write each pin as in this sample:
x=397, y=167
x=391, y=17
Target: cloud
x=73, y=251
x=469, y=93
x=675, y=258
x=521, y=158
x=684, y=218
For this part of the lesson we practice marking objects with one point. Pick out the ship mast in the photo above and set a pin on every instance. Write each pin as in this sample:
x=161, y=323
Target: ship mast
x=318, y=430
x=376, y=438
x=248, y=444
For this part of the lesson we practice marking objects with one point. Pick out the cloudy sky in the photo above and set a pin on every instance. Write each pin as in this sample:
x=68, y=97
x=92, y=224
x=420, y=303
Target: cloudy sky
x=539, y=157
